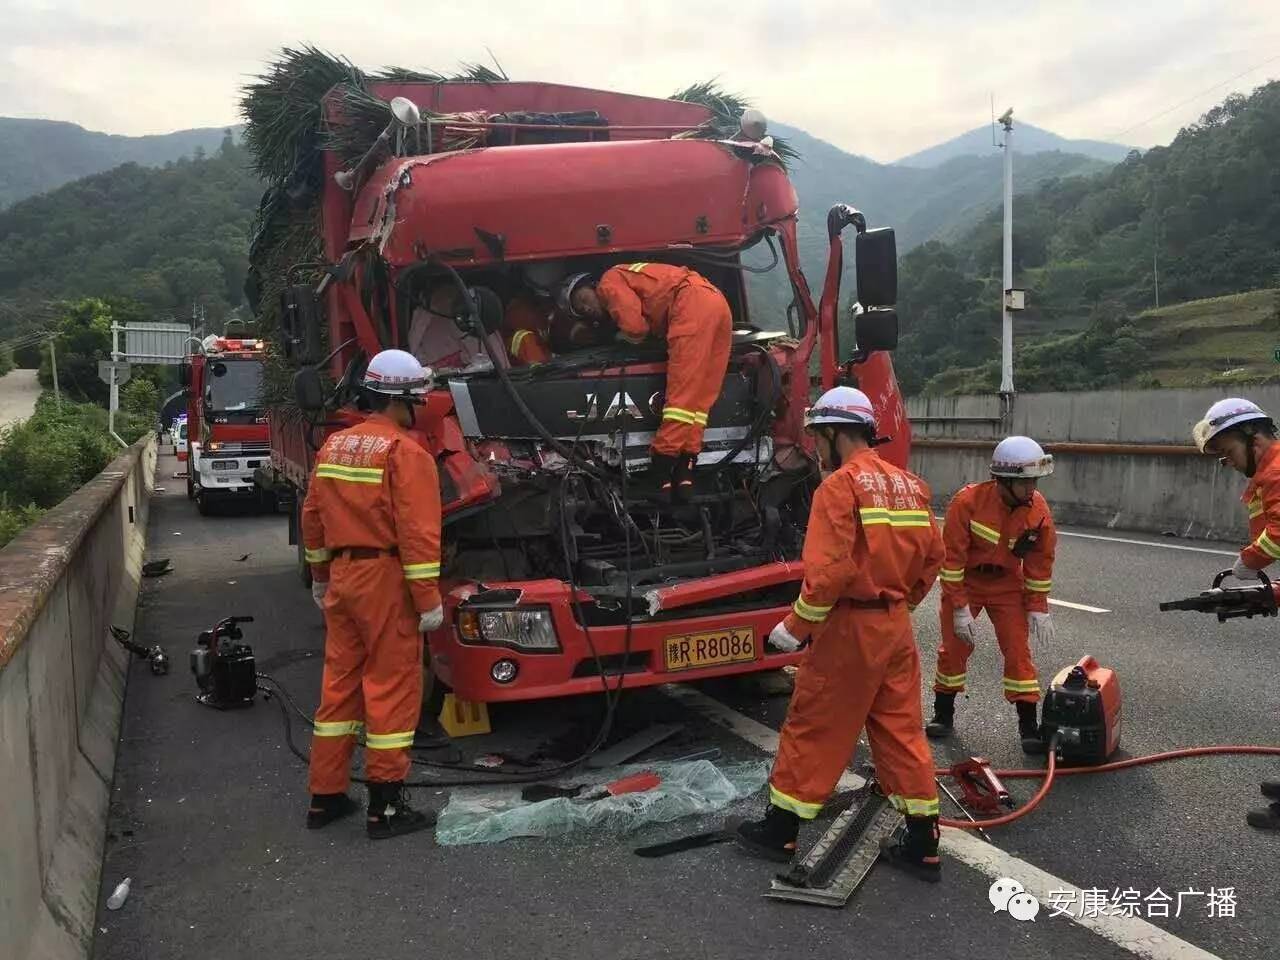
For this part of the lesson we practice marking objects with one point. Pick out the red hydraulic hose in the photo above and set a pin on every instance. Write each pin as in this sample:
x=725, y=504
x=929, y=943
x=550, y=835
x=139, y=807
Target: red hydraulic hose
x=1051, y=771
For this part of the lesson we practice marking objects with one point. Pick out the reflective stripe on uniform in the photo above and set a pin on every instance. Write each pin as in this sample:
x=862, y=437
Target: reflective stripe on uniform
x=421, y=571
x=805, y=811
x=680, y=415
x=638, y=267
x=955, y=680
x=810, y=611
x=316, y=556
x=1021, y=686
x=1255, y=507
x=517, y=339
x=337, y=728
x=336, y=471
x=895, y=518
x=389, y=741
x=985, y=532
x=1267, y=545
x=1039, y=586
x=915, y=806
x=949, y=575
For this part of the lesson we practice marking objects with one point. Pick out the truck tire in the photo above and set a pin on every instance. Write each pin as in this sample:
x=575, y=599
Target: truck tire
x=191, y=488
x=433, y=690
x=304, y=568
x=203, y=507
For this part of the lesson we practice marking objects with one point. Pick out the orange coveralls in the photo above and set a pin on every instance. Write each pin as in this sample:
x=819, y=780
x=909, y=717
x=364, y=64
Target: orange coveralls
x=659, y=300
x=1262, y=499
x=527, y=326
x=981, y=571
x=872, y=551
x=371, y=528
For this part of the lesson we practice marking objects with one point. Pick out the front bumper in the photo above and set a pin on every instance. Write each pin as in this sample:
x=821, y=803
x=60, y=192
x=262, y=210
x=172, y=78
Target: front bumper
x=573, y=669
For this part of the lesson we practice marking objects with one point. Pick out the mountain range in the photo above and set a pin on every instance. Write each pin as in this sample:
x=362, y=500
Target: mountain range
x=1027, y=138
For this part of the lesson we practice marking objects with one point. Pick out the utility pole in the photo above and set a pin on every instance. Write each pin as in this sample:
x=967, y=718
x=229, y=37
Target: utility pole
x=1155, y=242
x=1006, y=339
x=53, y=367
x=115, y=383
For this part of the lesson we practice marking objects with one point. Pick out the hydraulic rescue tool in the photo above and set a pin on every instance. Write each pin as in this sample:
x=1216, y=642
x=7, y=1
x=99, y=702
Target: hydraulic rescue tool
x=1255, y=600
x=224, y=667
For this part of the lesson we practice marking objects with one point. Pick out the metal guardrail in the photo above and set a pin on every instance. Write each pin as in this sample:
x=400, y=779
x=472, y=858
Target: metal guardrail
x=1085, y=449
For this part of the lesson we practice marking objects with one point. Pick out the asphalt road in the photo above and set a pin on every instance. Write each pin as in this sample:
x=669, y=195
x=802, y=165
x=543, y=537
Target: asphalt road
x=208, y=807
x=19, y=390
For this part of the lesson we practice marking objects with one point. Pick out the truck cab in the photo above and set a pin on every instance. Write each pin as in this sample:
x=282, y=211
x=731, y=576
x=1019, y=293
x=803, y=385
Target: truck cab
x=561, y=571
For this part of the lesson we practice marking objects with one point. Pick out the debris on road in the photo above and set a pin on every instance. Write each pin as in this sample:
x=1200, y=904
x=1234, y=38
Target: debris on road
x=119, y=895
x=634, y=745
x=157, y=568
x=492, y=815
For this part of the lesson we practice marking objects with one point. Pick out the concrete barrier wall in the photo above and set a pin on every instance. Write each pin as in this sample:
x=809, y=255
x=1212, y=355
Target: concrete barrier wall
x=1189, y=495
x=62, y=583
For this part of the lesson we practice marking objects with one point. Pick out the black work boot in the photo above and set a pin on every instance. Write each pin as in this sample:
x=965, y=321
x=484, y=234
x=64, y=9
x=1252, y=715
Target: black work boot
x=682, y=478
x=773, y=838
x=1265, y=818
x=914, y=848
x=1029, y=729
x=1271, y=789
x=390, y=814
x=328, y=807
x=661, y=475
x=944, y=716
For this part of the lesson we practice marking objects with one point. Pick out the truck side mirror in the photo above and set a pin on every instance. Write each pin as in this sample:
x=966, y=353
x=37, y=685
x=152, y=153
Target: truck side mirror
x=299, y=323
x=876, y=329
x=184, y=374
x=308, y=391
x=877, y=257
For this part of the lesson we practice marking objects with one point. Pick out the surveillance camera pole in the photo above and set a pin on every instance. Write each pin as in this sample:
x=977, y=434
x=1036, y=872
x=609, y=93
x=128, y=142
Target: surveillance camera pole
x=1006, y=348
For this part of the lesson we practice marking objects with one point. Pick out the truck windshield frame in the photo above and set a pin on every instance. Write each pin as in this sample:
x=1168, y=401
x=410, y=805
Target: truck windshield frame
x=234, y=386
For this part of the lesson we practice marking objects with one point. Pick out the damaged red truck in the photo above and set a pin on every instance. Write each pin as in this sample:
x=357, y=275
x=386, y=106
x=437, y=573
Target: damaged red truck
x=558, y=566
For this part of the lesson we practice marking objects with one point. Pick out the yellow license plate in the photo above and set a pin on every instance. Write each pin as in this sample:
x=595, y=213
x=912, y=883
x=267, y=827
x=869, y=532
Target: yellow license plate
x=689, y=651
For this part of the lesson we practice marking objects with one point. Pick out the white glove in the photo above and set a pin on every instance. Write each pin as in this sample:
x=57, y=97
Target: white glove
x=318, y=590
x=1242, y=572
x=431, y=620
x=1040, y=627
x=965, y=626
x=780, y=638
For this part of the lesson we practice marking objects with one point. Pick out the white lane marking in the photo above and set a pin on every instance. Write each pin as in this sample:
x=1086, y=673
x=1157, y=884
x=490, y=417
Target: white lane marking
x=1135, y=935
x=1150, y=543
x=1078, y=606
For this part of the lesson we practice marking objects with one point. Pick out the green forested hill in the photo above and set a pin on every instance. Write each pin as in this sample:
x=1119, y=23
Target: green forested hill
x=170, y=237
x=1203, y=211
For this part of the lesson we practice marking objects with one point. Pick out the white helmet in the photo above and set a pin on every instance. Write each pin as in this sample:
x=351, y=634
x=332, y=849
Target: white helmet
x=1020, y=458
x=842, y=406
x=564, y=298
x=397, y=374
x=1224, y=415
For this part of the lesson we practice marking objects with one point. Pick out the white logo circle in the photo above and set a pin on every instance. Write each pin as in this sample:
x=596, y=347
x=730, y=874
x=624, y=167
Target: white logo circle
x=1001, y=891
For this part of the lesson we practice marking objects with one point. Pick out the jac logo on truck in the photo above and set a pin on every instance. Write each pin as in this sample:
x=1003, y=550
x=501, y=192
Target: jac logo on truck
x=621, y=404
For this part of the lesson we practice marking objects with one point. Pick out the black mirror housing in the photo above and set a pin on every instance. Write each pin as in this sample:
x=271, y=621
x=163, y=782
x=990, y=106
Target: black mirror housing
x=308, y=390
x=876, y=329
x=184, y=374
x=300, y=323
x=877, y=259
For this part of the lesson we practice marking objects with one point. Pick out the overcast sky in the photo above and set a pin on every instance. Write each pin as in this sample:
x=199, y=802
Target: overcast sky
x=882, y=79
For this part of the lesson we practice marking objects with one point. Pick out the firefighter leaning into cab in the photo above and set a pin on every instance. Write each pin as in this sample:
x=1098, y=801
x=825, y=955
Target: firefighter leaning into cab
x=871, y=553
x=1000, y=543
x=371, y=532
x=1242, y=436
x=690, y=313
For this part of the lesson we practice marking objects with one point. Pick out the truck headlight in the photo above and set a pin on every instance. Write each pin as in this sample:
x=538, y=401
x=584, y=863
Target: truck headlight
x=524, y=629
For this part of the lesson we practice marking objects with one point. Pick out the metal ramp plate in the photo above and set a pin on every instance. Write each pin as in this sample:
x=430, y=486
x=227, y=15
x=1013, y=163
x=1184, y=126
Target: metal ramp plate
x=842, y=857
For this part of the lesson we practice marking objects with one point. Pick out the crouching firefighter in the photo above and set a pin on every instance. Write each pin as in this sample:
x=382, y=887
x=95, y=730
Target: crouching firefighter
x=689, y=312
x=371, y=532
x=871, y=553
x=1243, y=436
x=1000, y=543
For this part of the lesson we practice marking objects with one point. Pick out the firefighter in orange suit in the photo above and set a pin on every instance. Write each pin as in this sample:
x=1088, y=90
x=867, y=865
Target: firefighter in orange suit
x=1243, y=436
x=371, y=532
x=527, y=324
x=691, y=314
x=871, y=553
x=1000, y=543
